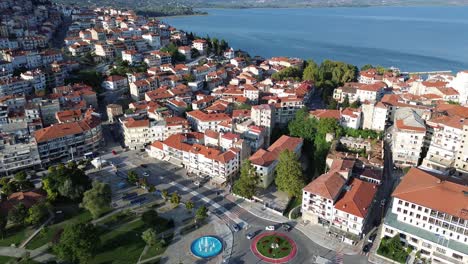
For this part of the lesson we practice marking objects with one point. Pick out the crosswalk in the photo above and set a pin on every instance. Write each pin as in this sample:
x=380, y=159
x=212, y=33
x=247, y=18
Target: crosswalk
x=338, y=258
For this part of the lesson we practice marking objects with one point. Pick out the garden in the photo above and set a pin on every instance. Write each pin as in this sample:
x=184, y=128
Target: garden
x=274, y=246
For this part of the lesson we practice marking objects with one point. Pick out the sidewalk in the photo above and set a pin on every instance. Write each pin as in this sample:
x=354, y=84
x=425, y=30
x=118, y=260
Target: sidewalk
x=315, y=233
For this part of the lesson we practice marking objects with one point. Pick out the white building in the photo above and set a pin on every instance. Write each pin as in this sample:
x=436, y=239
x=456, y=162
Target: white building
x=201, y=121
x=115, y=82
x=374, y=116
x=460, y=83
x=351, y=118
x=430, y=214
x=264, y=116
x=153, y=39
x=408, y=134
x=461, y=161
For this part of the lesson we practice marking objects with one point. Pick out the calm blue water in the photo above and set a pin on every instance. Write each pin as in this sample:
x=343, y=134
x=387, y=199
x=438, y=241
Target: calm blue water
x=206, y=247
x=411, y=38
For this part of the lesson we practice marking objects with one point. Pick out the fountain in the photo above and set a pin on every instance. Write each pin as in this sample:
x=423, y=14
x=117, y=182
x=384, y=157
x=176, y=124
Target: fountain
x=206, y=247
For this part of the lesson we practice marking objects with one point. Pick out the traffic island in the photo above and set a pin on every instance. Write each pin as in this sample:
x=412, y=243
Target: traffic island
x=274, y=247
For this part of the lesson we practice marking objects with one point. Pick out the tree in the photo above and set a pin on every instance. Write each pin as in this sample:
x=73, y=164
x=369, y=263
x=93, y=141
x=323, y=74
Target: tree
x=66, y=181
x=332, y=104
x=310, y=71
x=202, y=213
x=294, y=73
x=150, y=218
x=189, y=205
x=18, y=214
x=165, y=194
x=37, y=213
x=97, y=200
x=246, y=185
x=78, y=243
x=175, y=198
x=132, y=177
x=345, y=103
x=21, y=176
x=356, y=104
x=3, y=223
x=367, y=67
x=289, y=176
x=150, y=237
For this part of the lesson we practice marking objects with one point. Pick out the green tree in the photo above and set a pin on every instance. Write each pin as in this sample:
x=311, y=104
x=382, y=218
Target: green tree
x=302, y=125
x=310, y=71
x=345, y=103
x=66, y=181
x=20, y=176
x=97, y=200
x=332, y=104
x=150, y=218
x=3, y=223
x=78, y=243
x=175, y=198
x=189, y=205
x=293, y=73
x=37, y=213
x=356, y=104
x=367, y=67
x=165, y=194
x=202, y=213
x=18, y=214
x=289, y=177
x=132, y=177
x=150, y=236
x=246, y=185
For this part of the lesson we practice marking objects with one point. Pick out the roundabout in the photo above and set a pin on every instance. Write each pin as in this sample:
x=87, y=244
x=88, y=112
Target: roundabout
x=273, y=247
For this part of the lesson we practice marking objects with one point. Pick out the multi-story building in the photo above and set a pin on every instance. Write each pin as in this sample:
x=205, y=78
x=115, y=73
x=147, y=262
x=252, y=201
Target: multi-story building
x=265, y=161
x=460, y=83
x=408, y=132
x=113, y=112
x=286, y=109
x=140, y=87
x=374, y=116
x=200, y=45
x=18, y=154
x=445, y=143
x=351, y=118
x=264, y=116
x=360, y=92
x=430, y=215
x=140, y=133
x=461, y=160
x=201, y=121
x=72, y=140
x=115, y=82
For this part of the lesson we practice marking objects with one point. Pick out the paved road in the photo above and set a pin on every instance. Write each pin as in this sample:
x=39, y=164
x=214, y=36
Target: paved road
x=168, y=176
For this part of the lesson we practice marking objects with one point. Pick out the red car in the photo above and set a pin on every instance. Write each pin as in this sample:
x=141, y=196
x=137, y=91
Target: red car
x=113, y=152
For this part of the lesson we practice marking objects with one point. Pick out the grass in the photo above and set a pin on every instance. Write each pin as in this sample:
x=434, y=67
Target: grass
x=15, y=235
x=117, y=219
x=283, y=250
x=12, y=260
x=4, y=259
x=157, y=249
x=71, y=215
x=122, y=244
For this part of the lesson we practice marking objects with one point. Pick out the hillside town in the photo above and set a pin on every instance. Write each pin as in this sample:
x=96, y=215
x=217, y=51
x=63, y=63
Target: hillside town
x=120, y=125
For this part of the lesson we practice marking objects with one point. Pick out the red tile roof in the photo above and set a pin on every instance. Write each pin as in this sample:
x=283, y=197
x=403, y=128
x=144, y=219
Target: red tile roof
x=432, y=191
x=325, y=113
x=204, y=117
x=358, y=199
x=327, y=185
x=266, y=157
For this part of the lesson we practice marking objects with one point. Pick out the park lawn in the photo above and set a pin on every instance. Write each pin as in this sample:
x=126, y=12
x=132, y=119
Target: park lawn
x=122, y=244
x=5, y=259
x=16, y=235
x=264, y=245
x=157, y=250
x=74, y=216
x=116, y=219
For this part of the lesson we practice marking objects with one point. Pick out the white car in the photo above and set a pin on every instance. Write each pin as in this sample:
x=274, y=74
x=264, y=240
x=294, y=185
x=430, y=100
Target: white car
x=146, y=174
x=270, y=228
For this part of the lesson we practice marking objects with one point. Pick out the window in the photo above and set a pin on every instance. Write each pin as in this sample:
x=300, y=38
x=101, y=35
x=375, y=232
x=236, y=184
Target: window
x=456, y=256
x=441, y=250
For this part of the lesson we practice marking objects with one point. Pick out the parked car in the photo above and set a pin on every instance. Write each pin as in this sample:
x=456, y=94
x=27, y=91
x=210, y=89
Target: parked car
x=250, y=235
x=146, y=174
x=371, y=238
x=235, y=227
x=270, y=228
x=144, y=165
x=382, y=203
x=286, y=227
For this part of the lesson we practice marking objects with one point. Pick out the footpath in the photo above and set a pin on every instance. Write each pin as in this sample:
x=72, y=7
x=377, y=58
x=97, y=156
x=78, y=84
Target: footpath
x=315, y=233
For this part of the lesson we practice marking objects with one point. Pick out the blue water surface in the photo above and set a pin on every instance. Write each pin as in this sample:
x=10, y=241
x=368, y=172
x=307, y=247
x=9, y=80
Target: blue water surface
x=206, y=247
x=411, y=38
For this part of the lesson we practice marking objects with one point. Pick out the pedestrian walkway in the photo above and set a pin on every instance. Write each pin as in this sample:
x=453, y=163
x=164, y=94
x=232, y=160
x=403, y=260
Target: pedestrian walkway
x=316, y=233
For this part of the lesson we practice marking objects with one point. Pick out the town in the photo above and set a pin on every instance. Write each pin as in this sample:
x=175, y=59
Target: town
x=126, y=140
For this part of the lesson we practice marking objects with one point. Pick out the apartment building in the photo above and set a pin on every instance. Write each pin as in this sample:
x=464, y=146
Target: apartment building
x=18, y=154
x=360, y=92
x=374, y=116
x=461, y=160
x=408, y=132
x=115, y=82
x=140, y=87
x=140, y=133
x=72, y=140
x=188, y=150
x=201, y=121
x=445, y=143
x=430, y=214
x=351, y=118
x=265, y=161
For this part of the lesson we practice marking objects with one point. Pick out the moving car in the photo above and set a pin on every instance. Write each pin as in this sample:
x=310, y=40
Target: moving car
x=250, y=235
x=270, y=228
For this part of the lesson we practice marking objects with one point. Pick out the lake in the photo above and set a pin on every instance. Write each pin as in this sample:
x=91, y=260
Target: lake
x=410, y=38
